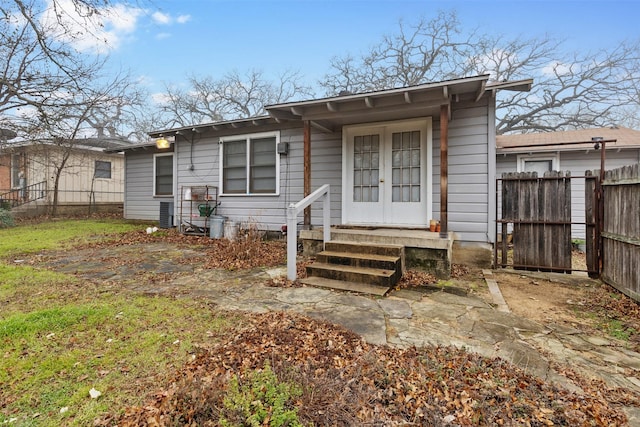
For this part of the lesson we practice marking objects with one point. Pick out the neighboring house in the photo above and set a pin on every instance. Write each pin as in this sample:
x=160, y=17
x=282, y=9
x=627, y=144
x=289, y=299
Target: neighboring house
x=393, y=158
x=90, y=177
x=561, y=151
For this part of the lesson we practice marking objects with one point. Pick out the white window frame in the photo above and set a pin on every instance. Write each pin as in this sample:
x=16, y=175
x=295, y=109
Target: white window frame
x=95, y=169
x=173, y=174
x=554, y=157
x=248, y=138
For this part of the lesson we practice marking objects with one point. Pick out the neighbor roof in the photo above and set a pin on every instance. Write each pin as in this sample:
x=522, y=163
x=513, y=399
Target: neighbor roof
x=567, y=140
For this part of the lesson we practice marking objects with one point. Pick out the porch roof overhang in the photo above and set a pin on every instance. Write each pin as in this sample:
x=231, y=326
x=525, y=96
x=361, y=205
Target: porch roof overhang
x=226, y=126
x=330, y=114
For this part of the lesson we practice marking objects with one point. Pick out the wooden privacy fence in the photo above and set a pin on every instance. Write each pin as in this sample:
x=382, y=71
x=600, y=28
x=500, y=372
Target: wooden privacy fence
x=620, y=230
x=539, y=211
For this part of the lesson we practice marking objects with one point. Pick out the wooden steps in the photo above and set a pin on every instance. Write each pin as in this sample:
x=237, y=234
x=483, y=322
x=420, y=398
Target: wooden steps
x=359, y=267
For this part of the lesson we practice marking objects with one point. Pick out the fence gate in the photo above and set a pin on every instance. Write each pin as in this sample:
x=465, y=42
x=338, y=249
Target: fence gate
x=535, y=221
x=619, y=229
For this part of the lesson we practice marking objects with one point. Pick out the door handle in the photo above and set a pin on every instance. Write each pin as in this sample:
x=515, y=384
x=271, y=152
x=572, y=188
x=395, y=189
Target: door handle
x=382, y=180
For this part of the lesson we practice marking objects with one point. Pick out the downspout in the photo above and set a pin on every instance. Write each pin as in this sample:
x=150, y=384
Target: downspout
x=492, y=172
x=444, y=170
x=307, y=170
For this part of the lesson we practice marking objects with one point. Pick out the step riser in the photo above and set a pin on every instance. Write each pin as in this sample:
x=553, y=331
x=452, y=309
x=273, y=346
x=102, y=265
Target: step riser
x=364, y=248
x=348, y=276
x=358, y=262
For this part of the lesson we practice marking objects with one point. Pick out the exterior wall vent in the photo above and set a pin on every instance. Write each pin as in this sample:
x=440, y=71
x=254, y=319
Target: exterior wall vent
x=166, y=214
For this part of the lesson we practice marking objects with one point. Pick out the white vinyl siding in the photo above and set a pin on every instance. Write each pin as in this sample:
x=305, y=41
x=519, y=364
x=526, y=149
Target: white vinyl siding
x=469, y=174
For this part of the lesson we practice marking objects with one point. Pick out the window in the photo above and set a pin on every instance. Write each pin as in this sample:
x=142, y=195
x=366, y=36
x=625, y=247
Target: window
x=16, y=165
x=250, y=164
x=163, y=175
x=102, y=169
x=538, y=163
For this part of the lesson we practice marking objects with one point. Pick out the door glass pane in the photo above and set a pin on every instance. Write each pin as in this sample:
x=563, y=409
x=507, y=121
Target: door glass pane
x=405, y=174
x=357, y=177
x=366, y=168
x=406, y=195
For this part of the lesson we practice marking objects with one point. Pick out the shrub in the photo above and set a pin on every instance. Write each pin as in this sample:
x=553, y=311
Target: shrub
x=6, y=218
x=260, y=400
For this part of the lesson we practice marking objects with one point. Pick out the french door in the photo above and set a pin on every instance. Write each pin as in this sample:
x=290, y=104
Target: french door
x=387, y=173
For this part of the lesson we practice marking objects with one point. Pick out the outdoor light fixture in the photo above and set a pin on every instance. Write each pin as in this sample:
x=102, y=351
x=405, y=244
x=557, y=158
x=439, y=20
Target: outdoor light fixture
x=597, y=140
x=162, y=143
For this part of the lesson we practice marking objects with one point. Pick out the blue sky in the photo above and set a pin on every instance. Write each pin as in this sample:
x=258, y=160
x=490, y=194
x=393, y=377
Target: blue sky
x=170, y=39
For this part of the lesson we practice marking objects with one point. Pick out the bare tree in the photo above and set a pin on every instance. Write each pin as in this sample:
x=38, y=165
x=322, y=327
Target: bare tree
x=59, y=130
x=595, y=89
x=427, y=51
x=234, y=96
x=37, y=53
x=570, y=90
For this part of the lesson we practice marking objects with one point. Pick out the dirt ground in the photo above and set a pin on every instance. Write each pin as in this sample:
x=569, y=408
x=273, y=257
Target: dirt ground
x=572, y=300
x=545, y=301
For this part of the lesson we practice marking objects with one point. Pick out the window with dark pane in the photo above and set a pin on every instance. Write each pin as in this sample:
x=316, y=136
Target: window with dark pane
x=262, y=171
x=164, y=175
x=366, y=168
x=405, y=163
x=234, y=167
x=102, y=169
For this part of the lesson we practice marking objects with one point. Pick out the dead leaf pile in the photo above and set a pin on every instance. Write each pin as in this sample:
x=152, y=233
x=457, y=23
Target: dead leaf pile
x=247, y=251
x=414, y=279
x=348, y=382
x=609, y=303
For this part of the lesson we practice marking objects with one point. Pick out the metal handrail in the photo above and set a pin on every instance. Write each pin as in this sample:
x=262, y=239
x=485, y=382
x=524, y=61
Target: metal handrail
x=292, y=225
x=20, y=196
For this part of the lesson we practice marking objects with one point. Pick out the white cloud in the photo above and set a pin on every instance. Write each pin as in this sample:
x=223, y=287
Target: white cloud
x=160, y=98
x=183, y=19
x=162, y=36
x=556, y=68
x=161, y=18
x=101, y=33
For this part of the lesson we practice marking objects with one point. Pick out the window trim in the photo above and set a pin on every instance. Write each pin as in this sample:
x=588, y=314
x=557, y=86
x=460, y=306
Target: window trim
x=247, y=138
x=523, y=158
x=95, y=169
x=173, y=174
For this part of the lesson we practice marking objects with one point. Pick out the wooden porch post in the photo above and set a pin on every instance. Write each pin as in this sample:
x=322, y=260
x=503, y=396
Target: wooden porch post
x=307, y=170
x=444, y=169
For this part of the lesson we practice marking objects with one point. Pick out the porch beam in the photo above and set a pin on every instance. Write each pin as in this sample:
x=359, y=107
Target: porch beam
x=480, y=92
x=321, y=127
x=444, y=169
x=283, y=115
x=332, y=106
x=307, y=169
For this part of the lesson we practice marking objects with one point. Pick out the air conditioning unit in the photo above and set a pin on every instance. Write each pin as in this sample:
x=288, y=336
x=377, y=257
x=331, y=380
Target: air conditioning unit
x=166, y=214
